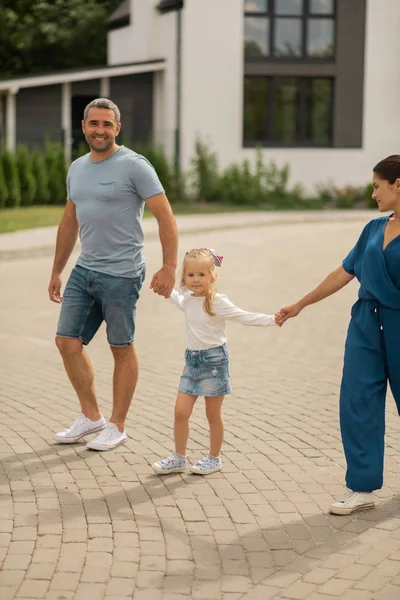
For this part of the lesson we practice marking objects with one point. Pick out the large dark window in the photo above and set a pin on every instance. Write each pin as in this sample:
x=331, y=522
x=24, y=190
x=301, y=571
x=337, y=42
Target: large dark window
x=287, y=111
x=289, y=29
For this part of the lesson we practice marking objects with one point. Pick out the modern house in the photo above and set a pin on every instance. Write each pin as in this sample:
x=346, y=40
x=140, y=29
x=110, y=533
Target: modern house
x=314, y=83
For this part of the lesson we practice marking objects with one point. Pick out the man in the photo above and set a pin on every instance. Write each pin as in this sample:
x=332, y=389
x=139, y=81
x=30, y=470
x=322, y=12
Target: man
x=107, y=189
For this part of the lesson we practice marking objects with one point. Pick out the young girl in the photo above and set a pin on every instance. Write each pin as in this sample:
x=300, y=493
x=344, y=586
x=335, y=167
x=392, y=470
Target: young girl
x=206, y=371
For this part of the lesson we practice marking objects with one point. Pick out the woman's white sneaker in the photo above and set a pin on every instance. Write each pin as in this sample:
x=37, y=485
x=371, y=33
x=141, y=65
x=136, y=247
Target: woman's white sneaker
x=80, y=427
x=177, y=463
x=353, y=502
x=208, y=464
x=108, y=439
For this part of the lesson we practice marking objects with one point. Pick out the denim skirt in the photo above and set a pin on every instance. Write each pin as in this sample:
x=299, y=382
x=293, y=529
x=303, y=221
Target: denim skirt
x=206, y=372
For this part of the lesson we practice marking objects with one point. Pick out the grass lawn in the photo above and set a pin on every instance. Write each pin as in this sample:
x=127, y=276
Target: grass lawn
x=15, y=219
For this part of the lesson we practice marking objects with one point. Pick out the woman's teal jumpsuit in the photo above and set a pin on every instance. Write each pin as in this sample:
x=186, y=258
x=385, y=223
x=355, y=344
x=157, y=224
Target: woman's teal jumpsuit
x=372, y=355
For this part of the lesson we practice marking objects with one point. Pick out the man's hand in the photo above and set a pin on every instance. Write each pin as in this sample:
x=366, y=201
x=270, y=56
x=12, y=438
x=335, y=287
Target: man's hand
x=287, y=312
x=55, y=288
x=163, y=281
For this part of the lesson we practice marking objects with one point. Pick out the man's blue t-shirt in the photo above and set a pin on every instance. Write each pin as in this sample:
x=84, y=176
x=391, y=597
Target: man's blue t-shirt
x=109, y=197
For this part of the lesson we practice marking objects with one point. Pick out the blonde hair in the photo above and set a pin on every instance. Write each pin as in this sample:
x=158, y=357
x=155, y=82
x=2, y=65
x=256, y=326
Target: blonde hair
x=204, y=254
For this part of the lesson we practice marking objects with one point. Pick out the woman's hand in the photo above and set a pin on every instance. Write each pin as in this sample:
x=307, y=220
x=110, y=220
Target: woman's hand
x=287, y=312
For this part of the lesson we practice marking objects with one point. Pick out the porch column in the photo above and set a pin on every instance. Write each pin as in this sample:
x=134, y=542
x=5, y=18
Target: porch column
x=105, y=87
x=66, y=120
x=11, y=119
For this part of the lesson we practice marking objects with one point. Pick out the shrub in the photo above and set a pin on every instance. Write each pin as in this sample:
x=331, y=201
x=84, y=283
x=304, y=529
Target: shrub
x=42, y=195
x=82, y=149
x=347, y=197
x=56, y=170
x=10, y=169
x=205, y=176
x=3, y=187
x=177, y=192
x=368, y=191
x=26, y=176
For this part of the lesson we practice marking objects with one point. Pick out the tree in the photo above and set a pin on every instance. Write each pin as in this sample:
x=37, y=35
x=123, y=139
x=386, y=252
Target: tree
x=47, y=35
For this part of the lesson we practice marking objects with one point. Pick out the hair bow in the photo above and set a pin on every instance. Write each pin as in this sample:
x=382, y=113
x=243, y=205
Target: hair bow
x=217, y=257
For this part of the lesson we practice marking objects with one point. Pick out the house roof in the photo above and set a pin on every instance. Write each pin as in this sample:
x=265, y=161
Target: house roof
x=68, y=76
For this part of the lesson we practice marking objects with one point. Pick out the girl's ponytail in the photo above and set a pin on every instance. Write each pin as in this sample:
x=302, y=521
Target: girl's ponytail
x=208, y=300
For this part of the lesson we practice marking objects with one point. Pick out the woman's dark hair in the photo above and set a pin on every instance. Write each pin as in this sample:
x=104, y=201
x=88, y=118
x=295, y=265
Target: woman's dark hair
x=388, y=168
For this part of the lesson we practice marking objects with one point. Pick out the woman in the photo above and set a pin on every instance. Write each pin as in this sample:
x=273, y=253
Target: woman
x=372, y=349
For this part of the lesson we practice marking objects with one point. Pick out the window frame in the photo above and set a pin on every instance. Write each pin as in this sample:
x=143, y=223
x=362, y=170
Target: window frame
x=301, y=114
x=304, y=18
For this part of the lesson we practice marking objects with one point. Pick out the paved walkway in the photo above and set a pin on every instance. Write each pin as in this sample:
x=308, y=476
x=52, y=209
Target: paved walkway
x=80, y=525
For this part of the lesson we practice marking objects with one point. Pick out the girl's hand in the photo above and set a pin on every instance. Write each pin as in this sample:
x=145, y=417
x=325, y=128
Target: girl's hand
x=288, y=312
x=278, y=319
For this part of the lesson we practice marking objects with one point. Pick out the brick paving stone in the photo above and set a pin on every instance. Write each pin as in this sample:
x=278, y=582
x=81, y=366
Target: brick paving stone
x=41, y=571
x=336, y=586
x=11, y=577
x=8, y=592
x=33, y=589
x=120, y=587
x=207, y=591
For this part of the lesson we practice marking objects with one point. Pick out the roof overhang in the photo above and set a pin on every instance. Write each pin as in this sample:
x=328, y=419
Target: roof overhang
x=165, y=6
x=28, y=81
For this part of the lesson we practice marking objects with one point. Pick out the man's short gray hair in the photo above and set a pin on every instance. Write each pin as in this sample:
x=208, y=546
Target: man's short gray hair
x=103, y=103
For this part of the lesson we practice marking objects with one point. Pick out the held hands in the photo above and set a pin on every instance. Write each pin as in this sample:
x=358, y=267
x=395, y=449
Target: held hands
x=287, y=312
x=54, y=289
x=163, y=281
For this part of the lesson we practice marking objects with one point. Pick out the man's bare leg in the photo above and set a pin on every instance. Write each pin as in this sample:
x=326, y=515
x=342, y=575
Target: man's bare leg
x=126, y=372
x=80, y=372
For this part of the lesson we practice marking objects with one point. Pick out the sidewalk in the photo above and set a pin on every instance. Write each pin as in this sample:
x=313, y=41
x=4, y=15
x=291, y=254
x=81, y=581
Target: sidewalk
x=41, y=241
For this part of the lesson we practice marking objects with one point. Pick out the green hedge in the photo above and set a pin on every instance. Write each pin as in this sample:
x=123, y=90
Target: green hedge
x=38, y=177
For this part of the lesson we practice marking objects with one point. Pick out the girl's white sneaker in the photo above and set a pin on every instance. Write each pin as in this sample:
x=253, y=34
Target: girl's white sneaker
x=173, y=464
x=352, y=502
x=205, y=466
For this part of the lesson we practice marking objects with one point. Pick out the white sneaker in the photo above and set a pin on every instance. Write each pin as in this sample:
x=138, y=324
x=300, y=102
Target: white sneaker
x=79, y=428
x=108, y=439
x=352, y=502
x=205, y=466
x=173, y=464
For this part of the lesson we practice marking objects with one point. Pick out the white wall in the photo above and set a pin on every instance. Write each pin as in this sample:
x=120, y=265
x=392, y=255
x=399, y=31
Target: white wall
x=151, y=35
x=212, y=76
x=165, y=82
x=135, y=42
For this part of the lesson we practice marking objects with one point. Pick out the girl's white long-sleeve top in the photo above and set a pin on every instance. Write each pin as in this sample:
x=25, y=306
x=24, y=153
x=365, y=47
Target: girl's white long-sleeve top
x=202, y=330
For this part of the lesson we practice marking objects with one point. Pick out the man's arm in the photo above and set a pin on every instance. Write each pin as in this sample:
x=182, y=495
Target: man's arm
x=66, y=239
x=164, y=280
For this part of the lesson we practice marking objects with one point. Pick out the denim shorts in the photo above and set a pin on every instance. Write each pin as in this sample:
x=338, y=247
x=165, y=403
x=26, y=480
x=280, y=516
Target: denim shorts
x=206, y=372
x=91, y=298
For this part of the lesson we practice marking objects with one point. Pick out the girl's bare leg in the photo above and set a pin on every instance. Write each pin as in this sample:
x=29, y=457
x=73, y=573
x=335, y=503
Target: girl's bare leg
x=183, y=409
x=214, y=416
